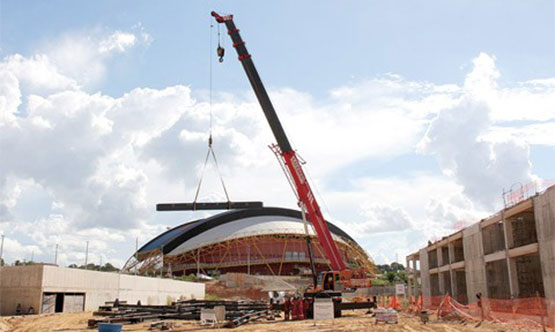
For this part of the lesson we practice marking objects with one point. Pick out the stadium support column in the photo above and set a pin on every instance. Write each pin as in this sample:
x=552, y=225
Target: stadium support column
x=249, y=259
x=198, y=262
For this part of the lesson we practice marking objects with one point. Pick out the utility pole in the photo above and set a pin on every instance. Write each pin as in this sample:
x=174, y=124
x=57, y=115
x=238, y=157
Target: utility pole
x=2, y=248
x=56, y=255
x=87, y=255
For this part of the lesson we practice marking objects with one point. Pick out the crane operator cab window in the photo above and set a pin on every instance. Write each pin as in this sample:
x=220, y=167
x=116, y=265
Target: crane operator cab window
x=338, y=285
x=328, y=281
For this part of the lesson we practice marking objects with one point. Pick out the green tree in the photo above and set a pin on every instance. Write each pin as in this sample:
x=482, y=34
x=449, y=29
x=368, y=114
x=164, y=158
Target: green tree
x=391, y=276
x=396, y=267
x=109, y=268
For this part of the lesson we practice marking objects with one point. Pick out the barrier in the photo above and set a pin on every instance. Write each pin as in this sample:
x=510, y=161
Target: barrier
x=394, y=303
x=533, y=312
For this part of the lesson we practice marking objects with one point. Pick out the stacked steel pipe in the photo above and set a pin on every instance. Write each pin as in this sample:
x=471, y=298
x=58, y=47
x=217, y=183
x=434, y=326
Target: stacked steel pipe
x=237, y=312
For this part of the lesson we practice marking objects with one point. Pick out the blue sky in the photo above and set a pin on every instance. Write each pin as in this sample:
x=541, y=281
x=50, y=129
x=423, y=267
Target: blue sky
x=305, y=45
x=413, y=115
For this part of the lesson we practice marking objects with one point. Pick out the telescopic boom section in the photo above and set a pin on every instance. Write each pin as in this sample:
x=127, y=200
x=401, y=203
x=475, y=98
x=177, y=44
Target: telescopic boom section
x=288, y=155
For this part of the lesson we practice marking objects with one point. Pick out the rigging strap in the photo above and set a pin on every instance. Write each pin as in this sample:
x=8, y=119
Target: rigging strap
x=209, y=153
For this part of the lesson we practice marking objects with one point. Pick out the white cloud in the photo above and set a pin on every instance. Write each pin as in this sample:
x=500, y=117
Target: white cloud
x=384, y=218
x=455, y=136
x=14, y=250
x=105, y=161
x=10, y=97
x=83, y=55
x=534, y=134
x=118, y=41
x=36, y=73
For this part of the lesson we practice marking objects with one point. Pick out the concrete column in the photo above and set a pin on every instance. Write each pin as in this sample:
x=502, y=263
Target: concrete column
x=475, y=267
x=544, y=214
x=454, y=290
x=418, y=281
x=439, y=256
x=441, y=283
x=512, y=276
x=425, y=276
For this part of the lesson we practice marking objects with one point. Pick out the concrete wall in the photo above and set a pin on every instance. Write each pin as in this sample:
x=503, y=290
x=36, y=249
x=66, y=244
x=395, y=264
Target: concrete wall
x=156, y=290
x=26, y=285
x=425, y=276
x=20, y=284
x=544, y=210
x=98, y=287
x=474, y=263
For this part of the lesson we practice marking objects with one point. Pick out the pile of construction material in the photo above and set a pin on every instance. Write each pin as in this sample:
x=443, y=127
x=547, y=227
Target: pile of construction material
x=236, y=313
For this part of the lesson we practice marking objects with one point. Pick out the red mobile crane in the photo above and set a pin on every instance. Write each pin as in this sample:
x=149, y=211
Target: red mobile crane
x=341, y=278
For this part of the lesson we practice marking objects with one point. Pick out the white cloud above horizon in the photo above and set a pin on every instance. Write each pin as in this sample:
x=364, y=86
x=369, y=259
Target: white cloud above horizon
x=101, y=162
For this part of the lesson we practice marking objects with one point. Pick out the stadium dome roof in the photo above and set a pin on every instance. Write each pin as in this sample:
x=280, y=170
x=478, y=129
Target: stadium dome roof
x=231, y=225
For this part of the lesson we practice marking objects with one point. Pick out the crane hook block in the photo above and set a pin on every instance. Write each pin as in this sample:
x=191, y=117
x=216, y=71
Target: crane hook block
x=221, y=52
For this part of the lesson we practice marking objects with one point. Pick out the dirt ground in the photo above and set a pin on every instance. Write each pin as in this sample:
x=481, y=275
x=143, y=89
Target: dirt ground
x=353, y=321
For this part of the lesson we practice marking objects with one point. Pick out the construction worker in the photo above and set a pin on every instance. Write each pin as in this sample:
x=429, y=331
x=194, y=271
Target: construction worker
x=479, y=303
x=295, y=308
x=302, y=314
x=287, y=307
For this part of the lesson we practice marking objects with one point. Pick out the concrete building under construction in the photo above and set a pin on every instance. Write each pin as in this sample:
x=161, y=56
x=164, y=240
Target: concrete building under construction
x=265, y=241
x=510, y=255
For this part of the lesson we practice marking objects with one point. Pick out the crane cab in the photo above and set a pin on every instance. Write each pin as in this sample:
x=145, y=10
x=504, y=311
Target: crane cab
x=331, y=281
x=346, y=280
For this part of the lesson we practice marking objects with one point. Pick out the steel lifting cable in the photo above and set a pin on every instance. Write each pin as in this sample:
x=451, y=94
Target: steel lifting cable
x=210, y=61
x=210, y=151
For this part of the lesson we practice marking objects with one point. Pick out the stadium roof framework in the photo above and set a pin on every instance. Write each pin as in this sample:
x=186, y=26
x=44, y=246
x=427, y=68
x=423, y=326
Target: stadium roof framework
x=268, y=241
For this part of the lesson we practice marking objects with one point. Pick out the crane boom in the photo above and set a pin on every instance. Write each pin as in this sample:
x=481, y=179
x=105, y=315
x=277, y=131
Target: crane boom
x=288, y=155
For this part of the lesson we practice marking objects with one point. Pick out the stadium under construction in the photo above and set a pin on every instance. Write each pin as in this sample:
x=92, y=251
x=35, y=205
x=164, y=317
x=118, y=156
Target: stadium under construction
x=265, y=241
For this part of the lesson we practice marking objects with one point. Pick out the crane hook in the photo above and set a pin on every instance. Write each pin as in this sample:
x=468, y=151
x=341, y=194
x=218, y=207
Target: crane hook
x=221, y=52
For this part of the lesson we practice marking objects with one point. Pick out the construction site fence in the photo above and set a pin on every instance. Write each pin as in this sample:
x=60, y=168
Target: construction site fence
x=529, y=313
